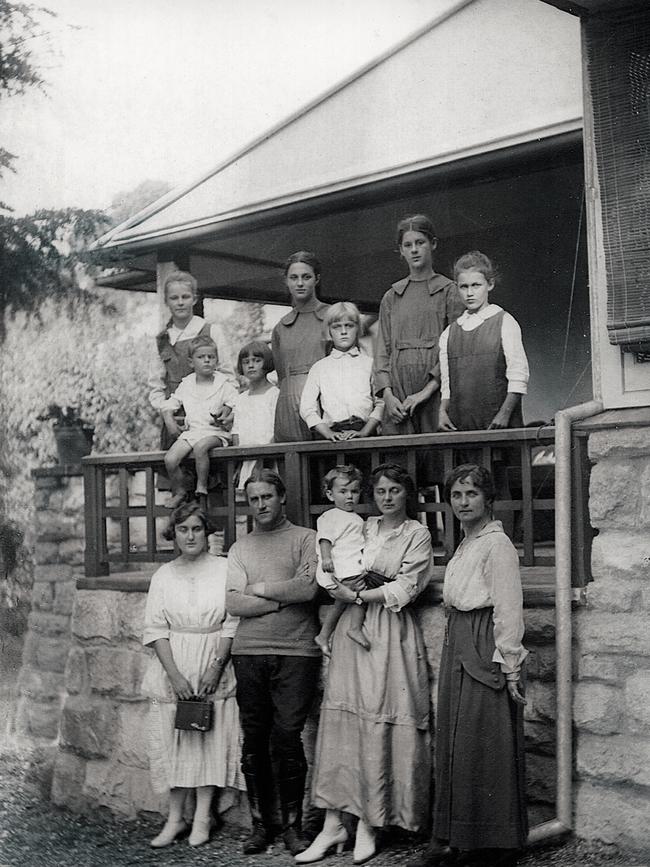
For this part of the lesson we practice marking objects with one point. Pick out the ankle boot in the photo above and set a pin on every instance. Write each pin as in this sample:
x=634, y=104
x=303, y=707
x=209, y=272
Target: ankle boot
x=292, y=790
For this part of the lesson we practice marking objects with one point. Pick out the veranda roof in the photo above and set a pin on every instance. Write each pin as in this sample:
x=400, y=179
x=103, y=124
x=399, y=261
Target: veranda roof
x=482, y=78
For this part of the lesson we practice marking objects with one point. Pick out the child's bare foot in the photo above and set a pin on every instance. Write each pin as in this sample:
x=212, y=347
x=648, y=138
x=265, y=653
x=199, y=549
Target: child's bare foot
x=176, y=500
x=200, y=492
x=358, y=636
x=323, y=642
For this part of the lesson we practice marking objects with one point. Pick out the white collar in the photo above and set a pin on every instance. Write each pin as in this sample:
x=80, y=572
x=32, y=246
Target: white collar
x=487, y=312
x=353, y=352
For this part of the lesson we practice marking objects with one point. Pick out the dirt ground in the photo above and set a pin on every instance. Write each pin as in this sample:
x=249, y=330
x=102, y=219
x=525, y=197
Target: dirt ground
x=34, y=833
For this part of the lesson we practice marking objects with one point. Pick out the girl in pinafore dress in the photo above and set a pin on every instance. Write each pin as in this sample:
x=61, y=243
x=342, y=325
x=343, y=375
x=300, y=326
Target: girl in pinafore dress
x=299, y=339
x=412, y=316
x=187, y=626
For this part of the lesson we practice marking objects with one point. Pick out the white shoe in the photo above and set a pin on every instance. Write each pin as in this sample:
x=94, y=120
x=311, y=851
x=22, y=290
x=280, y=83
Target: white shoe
x=365, y=844
x=324, y=842
x=200, y=832
x=169, y=833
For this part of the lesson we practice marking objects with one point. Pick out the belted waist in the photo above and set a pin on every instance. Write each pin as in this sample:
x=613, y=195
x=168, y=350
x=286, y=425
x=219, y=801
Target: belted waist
x=416, y=344
x=196, y=630
x=298, y=369
x=375, y=579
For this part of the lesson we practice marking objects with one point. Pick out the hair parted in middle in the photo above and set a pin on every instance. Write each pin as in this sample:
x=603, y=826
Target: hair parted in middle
x=397, y=473
x=476, y=261
x=258, y=349
x=341, y=471
x=306, y=258
x=416, y=223
x=187, y=509
x=202, y=340
x=477, y=475
x=267, y=477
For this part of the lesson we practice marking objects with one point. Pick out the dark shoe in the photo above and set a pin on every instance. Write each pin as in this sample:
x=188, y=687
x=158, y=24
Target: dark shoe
x=292, y=790
x=499, y=858
x=257, y=840
x=295, y=841
x=436, y=855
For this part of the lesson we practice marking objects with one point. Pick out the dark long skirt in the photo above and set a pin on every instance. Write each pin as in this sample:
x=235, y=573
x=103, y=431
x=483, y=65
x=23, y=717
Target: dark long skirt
x=480, y=797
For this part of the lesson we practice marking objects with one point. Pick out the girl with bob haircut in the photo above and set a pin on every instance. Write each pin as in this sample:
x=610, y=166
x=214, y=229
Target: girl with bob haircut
x=480, y=788
x=412, y=316
x=337, y=402
x=254, y=408
x=190, y=633
x=298, y=340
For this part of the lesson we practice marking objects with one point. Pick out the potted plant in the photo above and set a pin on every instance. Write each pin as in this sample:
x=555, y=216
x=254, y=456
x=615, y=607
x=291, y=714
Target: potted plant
x=72, y=434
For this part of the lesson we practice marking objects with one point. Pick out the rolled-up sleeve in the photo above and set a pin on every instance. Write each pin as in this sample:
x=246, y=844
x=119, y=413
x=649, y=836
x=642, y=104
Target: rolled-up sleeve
x=414, y=574
x=504, y=582
x=445, y=392
x=517, y=371
x=155, y=623
x=174, y=401
x=229, y=627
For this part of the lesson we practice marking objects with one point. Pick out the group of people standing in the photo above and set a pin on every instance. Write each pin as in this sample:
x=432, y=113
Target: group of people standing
x=244, y=631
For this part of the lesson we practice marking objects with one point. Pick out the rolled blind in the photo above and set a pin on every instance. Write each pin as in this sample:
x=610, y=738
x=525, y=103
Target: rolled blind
x=618, y=57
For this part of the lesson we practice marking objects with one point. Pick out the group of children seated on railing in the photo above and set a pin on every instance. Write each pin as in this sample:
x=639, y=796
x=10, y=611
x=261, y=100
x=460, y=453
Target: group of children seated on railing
x=445, y=358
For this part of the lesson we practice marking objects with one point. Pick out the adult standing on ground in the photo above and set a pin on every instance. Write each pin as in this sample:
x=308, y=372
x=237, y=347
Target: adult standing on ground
x=299, y=340
x=480, y=809
x=373, y=752
x=187, y=626
x=271, y=588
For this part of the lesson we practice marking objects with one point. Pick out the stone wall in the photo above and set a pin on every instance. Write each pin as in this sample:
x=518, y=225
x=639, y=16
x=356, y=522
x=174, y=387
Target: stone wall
x=58, y=556
x=611, y=707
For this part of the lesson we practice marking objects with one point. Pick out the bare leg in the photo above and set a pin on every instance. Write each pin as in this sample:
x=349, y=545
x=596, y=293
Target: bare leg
x=202, y=819
x=179, y=450
x=201, y=450
x=355, y=632
x=331, y=618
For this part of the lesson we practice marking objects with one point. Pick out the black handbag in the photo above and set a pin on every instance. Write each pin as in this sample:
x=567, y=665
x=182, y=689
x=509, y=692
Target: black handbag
x=194, y=715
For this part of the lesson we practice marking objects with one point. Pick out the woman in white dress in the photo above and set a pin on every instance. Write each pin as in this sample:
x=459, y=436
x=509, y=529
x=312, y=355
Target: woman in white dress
x=187, y=626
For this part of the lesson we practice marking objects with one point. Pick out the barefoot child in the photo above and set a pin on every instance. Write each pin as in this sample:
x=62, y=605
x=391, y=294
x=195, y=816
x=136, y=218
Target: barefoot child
x=339, y=540
x=202, y=394
x=337, y=401
x=254, y=409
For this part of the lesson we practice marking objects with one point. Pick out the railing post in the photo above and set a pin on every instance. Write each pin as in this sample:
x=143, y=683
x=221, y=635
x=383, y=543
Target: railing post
x=294, y=483
x=94, y=556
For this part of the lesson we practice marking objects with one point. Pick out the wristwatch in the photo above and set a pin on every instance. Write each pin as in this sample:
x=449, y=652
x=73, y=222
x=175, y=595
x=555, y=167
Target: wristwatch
x=357, y=598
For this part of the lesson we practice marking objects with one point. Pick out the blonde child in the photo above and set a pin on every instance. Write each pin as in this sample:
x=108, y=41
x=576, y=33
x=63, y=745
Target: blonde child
x=337, y=401
x=254, y=409
x=339, y=543
x=203, y=394
x=483, y=365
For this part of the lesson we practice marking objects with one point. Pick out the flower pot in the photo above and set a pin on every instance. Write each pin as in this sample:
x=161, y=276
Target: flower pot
x=73, y=442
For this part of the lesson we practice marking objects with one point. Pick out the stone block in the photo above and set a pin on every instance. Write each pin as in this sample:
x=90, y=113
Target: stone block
x=68, y=781
x=432, y=621
x=53, y=572
x=540, y=737
x=614, y=759
x=637, y=701
x=52, y=653
x=541, y=702
x=623, y=442
x=48, y=624
x=614, y=633
x=614, y=594
x=64, y=594
x=598, y=666
x=131, y=615
x=597, y=708
x=88, y=726
x=72, y=551
x=54, y=526
x=541, y=663
x=614, y=494
x=143, y=798
x=541, y=777
x=115, y=671
x=95, y=615
x=617, y=553
x=133, y=735
x=540, y=625
x=43, y=718
x=73, y=497
x=76, y=672
x=46, y=552
x=108, y=784
x=613, y=815
x=30, y=648
x=41, y=685
x=47, y=482
x=42, y=596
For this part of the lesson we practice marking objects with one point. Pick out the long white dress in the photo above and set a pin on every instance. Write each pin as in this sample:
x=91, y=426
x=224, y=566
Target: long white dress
x=188, y=608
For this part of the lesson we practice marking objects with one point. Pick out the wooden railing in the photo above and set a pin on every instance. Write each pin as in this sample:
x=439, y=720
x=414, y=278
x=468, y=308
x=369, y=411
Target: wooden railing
x=125, y=513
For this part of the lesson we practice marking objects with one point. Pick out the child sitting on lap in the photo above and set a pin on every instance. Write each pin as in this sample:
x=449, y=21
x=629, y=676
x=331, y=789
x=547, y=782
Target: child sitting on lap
x=339, y=543
x=202, y=394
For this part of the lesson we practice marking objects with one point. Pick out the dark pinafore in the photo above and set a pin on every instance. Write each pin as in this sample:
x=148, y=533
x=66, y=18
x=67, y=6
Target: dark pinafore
x=477, y=375
x=176, y=359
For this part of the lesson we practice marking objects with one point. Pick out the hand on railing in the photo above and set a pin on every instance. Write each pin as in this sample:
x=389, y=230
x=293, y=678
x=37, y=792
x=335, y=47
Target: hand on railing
x=444, y=422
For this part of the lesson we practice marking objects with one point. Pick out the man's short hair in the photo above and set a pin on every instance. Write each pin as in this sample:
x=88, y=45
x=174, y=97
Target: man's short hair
x=268, y=477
